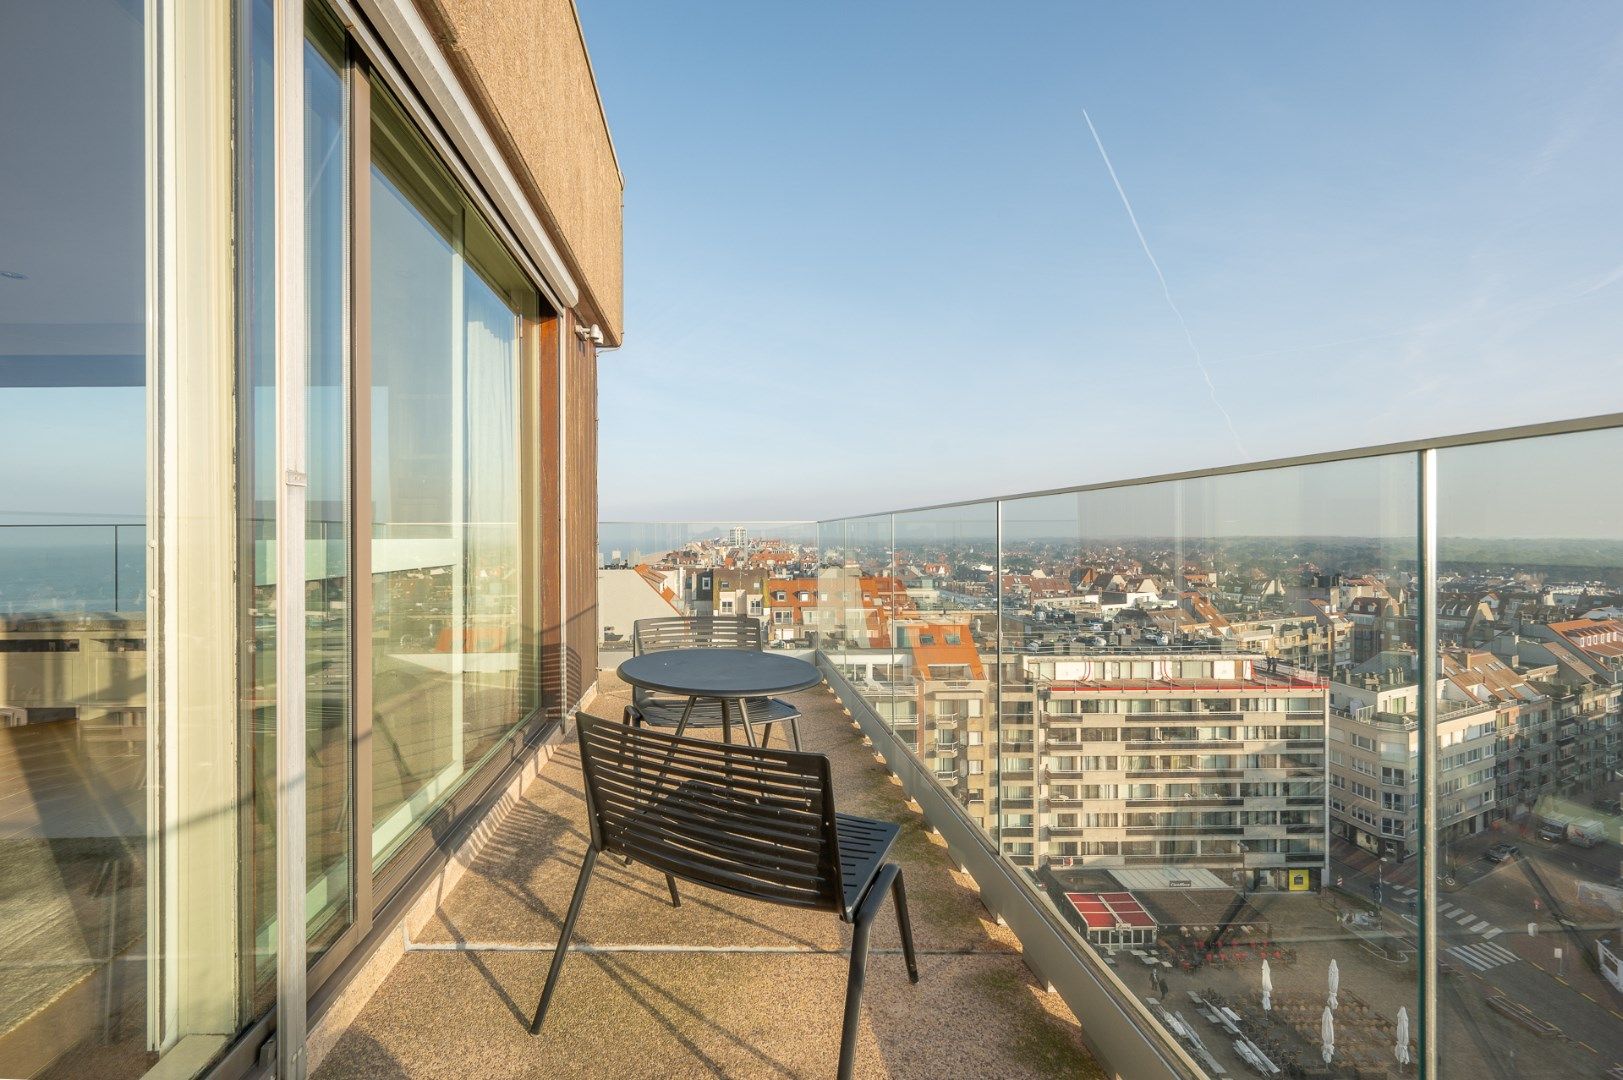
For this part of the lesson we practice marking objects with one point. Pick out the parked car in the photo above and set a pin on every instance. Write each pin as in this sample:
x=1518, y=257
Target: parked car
x=1501, y=852
x=1552, y=832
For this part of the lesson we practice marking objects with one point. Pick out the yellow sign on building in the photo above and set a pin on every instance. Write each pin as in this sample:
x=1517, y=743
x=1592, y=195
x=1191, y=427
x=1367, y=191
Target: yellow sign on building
x=1299, y=880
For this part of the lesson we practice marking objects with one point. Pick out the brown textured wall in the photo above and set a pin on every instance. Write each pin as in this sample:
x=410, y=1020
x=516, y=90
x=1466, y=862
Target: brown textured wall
x=550, y=512
x=580, y=512
x=525, y=63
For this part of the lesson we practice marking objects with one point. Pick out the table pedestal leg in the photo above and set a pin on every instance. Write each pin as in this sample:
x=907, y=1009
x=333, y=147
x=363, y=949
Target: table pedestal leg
x=744, y=715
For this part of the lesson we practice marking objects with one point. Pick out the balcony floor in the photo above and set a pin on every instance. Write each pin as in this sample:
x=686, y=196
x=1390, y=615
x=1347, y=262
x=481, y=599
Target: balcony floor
x=761, y=997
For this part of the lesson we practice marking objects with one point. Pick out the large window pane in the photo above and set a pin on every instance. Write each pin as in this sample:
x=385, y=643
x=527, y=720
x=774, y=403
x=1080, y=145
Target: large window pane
x=447, y=313
x=74, y=738
x=326, y=589
x=1530, y=667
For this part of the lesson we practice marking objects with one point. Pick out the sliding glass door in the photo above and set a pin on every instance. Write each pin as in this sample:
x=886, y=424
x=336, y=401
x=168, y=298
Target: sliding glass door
x=138, y=516
x=327, y=586
x=448, y=307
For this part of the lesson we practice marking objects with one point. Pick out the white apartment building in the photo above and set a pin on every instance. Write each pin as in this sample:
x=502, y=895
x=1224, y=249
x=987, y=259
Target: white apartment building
x=1202, y=760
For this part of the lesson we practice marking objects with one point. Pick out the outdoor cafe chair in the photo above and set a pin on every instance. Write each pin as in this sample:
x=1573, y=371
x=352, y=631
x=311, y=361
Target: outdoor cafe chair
x=744, y=820
x=706, y=632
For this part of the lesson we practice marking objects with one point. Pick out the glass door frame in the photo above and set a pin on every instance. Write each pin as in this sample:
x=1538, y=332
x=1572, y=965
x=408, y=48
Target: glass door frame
x=541, y=351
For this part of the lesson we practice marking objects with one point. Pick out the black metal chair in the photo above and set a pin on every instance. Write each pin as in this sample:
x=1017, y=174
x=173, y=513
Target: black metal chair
x=745, y=820
x=706, y=632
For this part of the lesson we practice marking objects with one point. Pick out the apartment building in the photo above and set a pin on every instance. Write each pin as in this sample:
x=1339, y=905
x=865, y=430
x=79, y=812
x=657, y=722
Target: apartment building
x=1374, y=754
x=1310, y=641
x=954, y=704
x=934, y=691
x=1368, y=617
x=1575, y=745
x=1522, y=708
x=791, y=605
x=1189, y=759
x=304, y=303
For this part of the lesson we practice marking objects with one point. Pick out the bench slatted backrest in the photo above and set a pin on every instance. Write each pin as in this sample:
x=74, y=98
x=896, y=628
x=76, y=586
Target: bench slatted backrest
x=696, y=632
x=749, y=821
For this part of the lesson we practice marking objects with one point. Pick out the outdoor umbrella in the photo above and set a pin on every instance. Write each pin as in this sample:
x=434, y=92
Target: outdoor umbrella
x=1267, y=987
x=1327, y=1034
x=1402, y=1043
x=1335, y=984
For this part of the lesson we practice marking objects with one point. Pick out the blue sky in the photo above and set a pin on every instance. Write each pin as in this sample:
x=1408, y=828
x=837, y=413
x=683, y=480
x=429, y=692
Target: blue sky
x=874, y=258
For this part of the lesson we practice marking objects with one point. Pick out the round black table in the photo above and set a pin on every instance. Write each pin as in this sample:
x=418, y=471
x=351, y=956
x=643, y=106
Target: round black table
x=726, y=676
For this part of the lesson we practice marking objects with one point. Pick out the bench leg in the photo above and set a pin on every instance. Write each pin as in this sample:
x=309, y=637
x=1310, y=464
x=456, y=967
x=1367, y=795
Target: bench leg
x=905, y=925
x=564, y=935
x=676, y=897
x=853, y=997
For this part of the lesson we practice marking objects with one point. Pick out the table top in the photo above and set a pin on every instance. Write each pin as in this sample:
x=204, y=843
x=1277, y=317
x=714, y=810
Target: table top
x=719, y=673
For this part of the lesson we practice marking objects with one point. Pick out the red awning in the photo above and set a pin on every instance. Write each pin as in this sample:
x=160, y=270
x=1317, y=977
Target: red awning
x=1110, y=911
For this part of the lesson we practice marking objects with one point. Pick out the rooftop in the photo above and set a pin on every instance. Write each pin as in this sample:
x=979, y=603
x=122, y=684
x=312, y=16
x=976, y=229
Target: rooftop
x=720, y=986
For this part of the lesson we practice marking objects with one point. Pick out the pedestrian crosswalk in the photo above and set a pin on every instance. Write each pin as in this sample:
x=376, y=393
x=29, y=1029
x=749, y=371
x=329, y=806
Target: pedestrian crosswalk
x=1447, y=912
x=1483, y=955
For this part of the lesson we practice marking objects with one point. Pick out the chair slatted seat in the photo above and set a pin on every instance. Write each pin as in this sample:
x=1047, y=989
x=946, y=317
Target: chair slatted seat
x=705, y=632
x=754, y=822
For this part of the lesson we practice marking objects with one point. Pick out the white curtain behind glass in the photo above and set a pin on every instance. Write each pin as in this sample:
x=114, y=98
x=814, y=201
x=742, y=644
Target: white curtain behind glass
x=491, y=547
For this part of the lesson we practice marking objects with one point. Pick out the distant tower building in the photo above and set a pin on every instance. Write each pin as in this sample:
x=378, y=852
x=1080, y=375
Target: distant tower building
x=737, y=535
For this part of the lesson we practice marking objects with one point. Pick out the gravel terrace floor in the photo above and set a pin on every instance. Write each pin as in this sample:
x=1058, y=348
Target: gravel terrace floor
x=762, y=997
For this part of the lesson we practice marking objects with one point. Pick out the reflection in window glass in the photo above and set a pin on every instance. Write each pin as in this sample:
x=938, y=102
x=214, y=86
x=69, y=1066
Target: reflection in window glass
x=326, y=590
x=74, y=736
x=447, y=311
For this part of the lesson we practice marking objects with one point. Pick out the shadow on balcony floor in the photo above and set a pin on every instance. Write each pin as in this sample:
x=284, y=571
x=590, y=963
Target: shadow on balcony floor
x=720, y=986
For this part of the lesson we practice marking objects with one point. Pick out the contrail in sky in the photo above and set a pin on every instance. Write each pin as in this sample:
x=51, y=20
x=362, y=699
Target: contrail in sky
x=1194, y=349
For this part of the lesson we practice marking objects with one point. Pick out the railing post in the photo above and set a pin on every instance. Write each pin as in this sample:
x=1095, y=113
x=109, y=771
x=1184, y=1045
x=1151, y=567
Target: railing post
x=997, y=702
x=1427, y=635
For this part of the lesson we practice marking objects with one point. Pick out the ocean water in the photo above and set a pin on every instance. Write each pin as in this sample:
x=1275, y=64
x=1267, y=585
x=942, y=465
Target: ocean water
x=61, y=569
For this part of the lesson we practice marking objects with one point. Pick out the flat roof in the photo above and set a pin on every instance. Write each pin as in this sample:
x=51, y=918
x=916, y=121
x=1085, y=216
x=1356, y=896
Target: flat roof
x=1169, y=877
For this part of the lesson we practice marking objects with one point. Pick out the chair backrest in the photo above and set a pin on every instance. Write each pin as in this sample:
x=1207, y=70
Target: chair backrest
x=749, y=821
x=696, y=632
